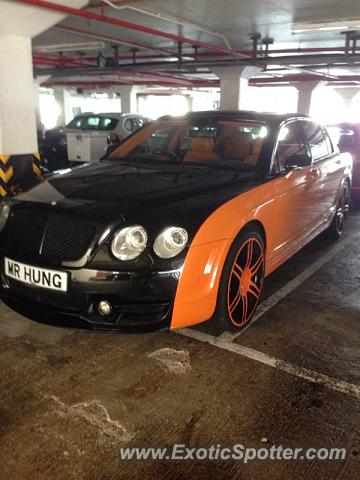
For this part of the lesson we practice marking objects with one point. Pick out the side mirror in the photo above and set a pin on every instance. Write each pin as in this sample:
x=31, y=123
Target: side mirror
x=298, y=161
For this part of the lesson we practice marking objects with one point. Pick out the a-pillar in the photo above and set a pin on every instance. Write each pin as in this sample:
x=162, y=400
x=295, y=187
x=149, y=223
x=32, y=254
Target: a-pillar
x=234, y=86
x=306, y=91
x=347, y=94
x=128, y=97
x=18, y=137
x=62, y=97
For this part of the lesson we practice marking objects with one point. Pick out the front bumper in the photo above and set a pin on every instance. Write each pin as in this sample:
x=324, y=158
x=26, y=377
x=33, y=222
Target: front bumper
x=141, y=301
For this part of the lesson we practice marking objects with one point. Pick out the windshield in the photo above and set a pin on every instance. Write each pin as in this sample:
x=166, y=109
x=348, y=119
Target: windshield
x=207, y=141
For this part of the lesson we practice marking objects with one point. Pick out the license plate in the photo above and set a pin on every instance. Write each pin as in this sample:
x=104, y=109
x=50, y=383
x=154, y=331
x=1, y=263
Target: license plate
x=35, y=276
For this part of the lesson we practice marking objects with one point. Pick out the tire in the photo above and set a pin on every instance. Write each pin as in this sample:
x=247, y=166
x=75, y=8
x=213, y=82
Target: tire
x=337, y=225
x=241, y=283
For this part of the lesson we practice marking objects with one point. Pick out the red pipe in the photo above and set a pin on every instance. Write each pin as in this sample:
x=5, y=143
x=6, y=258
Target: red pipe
x=290, y=79
x=94, y=84
x=108, y=38
x=201, y=54
x=132, y=26
x=53, y=62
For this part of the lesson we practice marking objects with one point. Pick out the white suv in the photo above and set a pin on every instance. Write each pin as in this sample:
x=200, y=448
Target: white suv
x=89, y=135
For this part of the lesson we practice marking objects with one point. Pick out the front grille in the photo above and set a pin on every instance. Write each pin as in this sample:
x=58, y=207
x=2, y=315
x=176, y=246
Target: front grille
x=24, y=232
x=37, y=232
x=67, y=237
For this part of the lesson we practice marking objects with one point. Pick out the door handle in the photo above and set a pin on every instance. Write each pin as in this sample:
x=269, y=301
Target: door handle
x=314, y=172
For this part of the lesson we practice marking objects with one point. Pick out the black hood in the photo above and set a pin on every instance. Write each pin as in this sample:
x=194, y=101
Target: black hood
x=142, y=192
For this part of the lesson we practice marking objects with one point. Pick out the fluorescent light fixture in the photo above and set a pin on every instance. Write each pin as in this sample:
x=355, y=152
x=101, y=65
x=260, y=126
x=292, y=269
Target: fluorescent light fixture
x=69, y=47
x=325, y=26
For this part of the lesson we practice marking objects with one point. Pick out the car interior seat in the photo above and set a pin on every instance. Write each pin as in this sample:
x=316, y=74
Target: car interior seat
x=234, y=144
x=202, y=149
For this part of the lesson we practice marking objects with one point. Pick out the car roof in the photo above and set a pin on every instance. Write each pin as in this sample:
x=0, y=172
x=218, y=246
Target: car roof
x=109, y=114
x=242, y=115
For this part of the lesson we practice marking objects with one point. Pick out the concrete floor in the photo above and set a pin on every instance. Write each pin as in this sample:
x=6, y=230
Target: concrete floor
x=69, y=399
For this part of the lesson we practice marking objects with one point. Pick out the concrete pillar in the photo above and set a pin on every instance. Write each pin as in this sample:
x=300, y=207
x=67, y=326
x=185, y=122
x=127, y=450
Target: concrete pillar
x=234, y=86
x=347, y=94
x=18, y=137
x=128, y=97
x=62, y=97
x=306, y=91
x=189, y=101
x=17, y=103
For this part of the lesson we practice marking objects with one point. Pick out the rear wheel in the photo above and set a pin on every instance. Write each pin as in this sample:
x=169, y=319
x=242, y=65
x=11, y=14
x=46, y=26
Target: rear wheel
x=241, y=282
x=337, y=226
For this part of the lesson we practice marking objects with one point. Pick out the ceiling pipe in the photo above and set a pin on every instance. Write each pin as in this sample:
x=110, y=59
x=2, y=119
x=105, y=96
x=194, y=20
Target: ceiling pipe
x=101, y=84
x=55, y=62
x=103, y=5
x=293, y=79
x=257, y=82
x=129, y=25
x=173, y=55
x=160, y=16
x=294, y=62
x=105, y=19
x=107, y=38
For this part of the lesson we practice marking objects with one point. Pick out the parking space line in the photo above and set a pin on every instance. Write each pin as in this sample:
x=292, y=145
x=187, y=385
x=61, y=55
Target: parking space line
x=283, y=292
x=303, y=373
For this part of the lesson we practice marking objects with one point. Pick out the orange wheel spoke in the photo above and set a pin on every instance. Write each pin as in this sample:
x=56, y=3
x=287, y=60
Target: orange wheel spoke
x=255, y=268
x=236, y=301
x=245, y=308
x=237, y=271
x=254, y=290
x=249, y=253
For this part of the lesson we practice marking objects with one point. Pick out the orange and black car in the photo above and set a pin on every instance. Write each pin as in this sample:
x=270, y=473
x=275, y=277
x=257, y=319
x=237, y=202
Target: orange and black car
x=179, y=225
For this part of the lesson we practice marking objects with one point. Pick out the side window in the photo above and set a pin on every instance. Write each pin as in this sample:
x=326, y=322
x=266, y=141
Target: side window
x=77, y=122
x=138, y=123
x=289, y=143
x=92, y=123
x=108, y=123
x=319, y=144
x=128, y=125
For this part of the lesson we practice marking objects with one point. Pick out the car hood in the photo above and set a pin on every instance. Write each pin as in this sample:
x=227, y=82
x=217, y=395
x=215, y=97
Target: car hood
x=162, y=191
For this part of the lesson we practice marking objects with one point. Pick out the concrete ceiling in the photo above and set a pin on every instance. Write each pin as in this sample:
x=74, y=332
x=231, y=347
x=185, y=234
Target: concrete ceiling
x=236, y=20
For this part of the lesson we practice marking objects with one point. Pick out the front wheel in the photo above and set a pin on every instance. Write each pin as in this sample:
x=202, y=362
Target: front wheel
x=241, y=282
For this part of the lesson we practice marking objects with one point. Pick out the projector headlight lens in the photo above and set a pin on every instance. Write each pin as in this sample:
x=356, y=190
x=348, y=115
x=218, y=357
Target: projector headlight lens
x=4, y=215
x=129, y=242
x=171, y=242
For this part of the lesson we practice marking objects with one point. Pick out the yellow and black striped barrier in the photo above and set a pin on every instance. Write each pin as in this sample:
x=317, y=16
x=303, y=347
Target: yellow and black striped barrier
x=19, y=173
x=6, y=174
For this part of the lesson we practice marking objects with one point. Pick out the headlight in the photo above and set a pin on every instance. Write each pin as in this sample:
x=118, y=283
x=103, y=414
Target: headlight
x=170, y=242
x=129, y=242
x=4, y=215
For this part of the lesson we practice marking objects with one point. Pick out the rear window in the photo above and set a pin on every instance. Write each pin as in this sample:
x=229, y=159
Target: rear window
x=93, y=122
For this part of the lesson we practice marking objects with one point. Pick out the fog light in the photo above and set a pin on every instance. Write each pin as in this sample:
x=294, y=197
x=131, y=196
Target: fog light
x=104, y=308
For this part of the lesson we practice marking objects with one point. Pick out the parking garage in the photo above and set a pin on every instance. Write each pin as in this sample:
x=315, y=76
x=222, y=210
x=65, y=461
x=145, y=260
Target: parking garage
x=179, y=239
